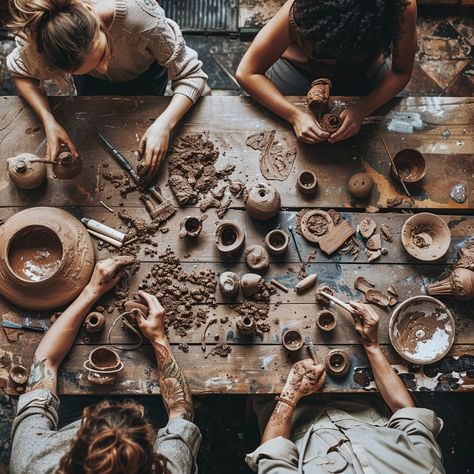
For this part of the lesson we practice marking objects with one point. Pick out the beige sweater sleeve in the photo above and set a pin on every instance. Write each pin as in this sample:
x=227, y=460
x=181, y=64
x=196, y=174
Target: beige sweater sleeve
x=167, y=44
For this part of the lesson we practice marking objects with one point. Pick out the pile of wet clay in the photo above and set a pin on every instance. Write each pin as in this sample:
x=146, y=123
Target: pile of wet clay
x=185, y=306
x=192, y=173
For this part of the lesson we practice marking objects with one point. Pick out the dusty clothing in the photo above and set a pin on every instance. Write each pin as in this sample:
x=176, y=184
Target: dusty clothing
x=38, y=446
x=353, y=438
x=141, y=35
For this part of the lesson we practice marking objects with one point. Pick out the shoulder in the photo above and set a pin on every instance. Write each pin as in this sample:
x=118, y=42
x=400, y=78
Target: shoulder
x=142, y=15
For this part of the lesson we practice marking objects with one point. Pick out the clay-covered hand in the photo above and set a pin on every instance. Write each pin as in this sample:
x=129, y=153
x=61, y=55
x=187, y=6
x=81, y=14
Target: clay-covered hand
x=56, y=136
x=307, y=128
x=153, y=148
x=352, y=118
x=305, y=378
x=153, y=326
x=107, y=273
x=366, y=323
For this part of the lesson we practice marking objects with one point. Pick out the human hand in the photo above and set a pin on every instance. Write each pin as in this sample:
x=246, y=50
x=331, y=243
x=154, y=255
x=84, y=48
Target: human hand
x=352, y=118
x=152, y=326
x=307, y=128
x=366, y=323
x=56, y=137
x=305, y=378
x=153, y=148
x=107, y=274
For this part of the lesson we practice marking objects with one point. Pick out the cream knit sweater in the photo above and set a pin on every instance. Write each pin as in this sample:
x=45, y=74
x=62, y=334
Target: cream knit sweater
x=141, y=35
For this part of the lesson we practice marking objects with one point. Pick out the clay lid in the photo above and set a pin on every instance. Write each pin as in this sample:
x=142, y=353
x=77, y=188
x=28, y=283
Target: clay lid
x=422, y=330
x=426, y=236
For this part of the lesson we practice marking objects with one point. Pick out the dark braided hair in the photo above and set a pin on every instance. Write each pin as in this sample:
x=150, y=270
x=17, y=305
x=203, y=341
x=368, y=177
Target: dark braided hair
x=344, y=29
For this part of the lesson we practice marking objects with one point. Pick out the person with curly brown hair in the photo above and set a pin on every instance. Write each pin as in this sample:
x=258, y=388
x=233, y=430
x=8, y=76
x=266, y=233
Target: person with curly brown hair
x=346, y=41
x=111, y=437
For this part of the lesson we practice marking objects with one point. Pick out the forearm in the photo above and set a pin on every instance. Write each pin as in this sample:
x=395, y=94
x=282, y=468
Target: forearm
x=390, y=385
x=175, y=390
x=175, y=111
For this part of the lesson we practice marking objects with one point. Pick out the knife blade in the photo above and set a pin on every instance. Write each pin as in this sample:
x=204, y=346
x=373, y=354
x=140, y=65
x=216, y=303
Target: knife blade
x=12, y=325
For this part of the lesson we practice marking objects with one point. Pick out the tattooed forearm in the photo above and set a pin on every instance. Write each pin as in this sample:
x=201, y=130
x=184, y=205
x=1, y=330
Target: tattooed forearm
x=174, y=388
x=279, y=423
x=41, y=376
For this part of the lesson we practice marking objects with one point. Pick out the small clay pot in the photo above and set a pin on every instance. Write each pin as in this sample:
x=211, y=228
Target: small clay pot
x=410, y=164
x=318, y=96
x=94, y=322
x=326, y=320
x=26, y=171
x=277, y=241
x=307, y=182
x=257, y=258
x=426, y=236
x=250, y=284
x=246, y=325
x=292, y=340
x=306, y=283
x=360, y=185
x=338, y=362
x=67, y=166
x=191, y=226
x=460, y=285
x=19, y=374
x=229, y=237
x=103, y=358
x=229, y=284
x=262, y=201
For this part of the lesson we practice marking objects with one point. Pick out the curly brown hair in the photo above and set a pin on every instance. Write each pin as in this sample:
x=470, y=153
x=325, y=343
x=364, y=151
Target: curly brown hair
x=114, y=438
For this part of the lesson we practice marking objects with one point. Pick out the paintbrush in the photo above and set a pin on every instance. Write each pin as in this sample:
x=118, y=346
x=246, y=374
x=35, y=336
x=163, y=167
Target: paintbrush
x=312, y=352
x=341, y=303
x=119, y=158
x=165, y=209
x=12, y=325
x=290, y=228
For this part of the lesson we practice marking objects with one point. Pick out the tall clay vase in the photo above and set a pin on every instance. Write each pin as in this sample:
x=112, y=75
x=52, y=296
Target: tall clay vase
x=262, y=201
x=73, y=268
x=459, y=284
x=26, y=171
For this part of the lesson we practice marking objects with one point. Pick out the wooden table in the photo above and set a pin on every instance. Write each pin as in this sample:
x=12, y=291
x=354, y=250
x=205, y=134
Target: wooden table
x=255, y=365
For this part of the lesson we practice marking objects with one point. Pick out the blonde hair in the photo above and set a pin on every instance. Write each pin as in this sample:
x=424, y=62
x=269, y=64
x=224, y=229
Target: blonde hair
x=62, y=30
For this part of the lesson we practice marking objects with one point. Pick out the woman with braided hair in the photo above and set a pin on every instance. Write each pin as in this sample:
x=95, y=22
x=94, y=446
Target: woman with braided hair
x=104, y=47
x=346, y=41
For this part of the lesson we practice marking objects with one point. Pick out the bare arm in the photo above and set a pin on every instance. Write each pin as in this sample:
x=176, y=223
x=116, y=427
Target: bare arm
x=267, y=47
x=390, y=385
x=304, y=379
x=174, y=388
x=33, y=93
x=60, y=337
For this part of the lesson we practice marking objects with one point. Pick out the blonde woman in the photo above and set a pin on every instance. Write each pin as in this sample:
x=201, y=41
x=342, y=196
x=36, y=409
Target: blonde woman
x=104, y=47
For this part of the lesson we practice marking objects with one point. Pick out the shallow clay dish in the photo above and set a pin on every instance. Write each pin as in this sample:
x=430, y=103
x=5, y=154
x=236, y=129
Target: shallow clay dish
x=410, y=164
x=315, y=224
x=422, y=330
x=46, y=258
x=426, y=236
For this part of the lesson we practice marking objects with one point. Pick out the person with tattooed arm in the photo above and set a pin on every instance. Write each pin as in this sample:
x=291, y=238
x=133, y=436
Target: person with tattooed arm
x=330, y=434
x=111, y=437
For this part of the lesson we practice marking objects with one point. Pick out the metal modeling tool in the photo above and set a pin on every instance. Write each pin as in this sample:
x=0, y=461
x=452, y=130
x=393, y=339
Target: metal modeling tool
x=26, y=327
x=312, y=352
x=290, y=228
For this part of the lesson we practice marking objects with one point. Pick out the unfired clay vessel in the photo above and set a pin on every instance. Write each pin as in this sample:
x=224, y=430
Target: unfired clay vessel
x=307, y=182
x=246, y=325
x=410, y=164
x=229, y=284
x=67, y=166
x=94, y=322
x=262, y=201
x=26, y=171
x=103, y=358
x=19, y=374
x=460, y=285
x=337, y=362
x=360, y=185
x=191, y=226
x=229, y=237
x=46, y=258
x=277, y=241
x=318, y=96
x=292, y=340
x=250, y=284
x=257, y=258
x=326, y=320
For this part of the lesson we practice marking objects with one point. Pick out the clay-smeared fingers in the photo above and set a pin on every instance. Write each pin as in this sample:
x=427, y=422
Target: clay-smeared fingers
x=342, y=133
x=152, y=302
x=119, y=263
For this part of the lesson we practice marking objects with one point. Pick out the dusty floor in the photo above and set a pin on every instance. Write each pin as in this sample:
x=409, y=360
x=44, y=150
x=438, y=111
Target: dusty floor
x=444, y=66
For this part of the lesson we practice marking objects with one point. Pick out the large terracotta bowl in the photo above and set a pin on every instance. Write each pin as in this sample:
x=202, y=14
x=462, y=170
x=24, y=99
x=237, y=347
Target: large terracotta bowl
x=46, y=258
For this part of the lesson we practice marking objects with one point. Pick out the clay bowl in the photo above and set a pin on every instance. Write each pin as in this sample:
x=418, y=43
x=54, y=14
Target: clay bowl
x=316, y=224
x=104, y=359
x=337, y=362
x=19, y=374
x=230, y=237
x=426, y=236
x=307, y=182
x=292, y=340
x=326, y=320
x=422, y=330
x=46, y=258
x=277, y=241
x=410, y=164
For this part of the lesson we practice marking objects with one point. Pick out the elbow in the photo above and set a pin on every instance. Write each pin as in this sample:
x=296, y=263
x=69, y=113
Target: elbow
x=241, y=76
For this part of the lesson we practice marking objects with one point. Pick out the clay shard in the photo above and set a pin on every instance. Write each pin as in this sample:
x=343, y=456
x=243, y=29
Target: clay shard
x=12, y=334
x=337, y=362
x=360, y=185
x=373, y=255
x=393, y=300
x=251, y=284
x=229, y=284
x=377, y=297
x=367, y=227
x=374, y=243
x=262, y=201
x=362, y=284
x=392, y=290
x=387, y=232
x=306, y=283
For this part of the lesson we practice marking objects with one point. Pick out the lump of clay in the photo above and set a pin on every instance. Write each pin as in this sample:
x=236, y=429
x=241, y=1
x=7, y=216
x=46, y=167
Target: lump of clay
x=320, y=298
x=26, y=171
x=256, y=257
x=331, y=123
x=251, y=284
x=318, y=96
x=229, y=284
x=360, y=185
x=182, y=190
x=306, y=283
x=387, y=232
x=262, y=201
x=367, y=227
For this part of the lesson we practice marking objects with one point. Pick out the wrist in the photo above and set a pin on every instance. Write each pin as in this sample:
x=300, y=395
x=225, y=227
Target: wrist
x=91, y=292
x=159, y=340
x=48, y=120
x=290, y=394
x=372, y=348
x=293, y=115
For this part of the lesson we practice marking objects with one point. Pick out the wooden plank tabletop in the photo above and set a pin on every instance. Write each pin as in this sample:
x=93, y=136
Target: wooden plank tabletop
x=259, y=365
